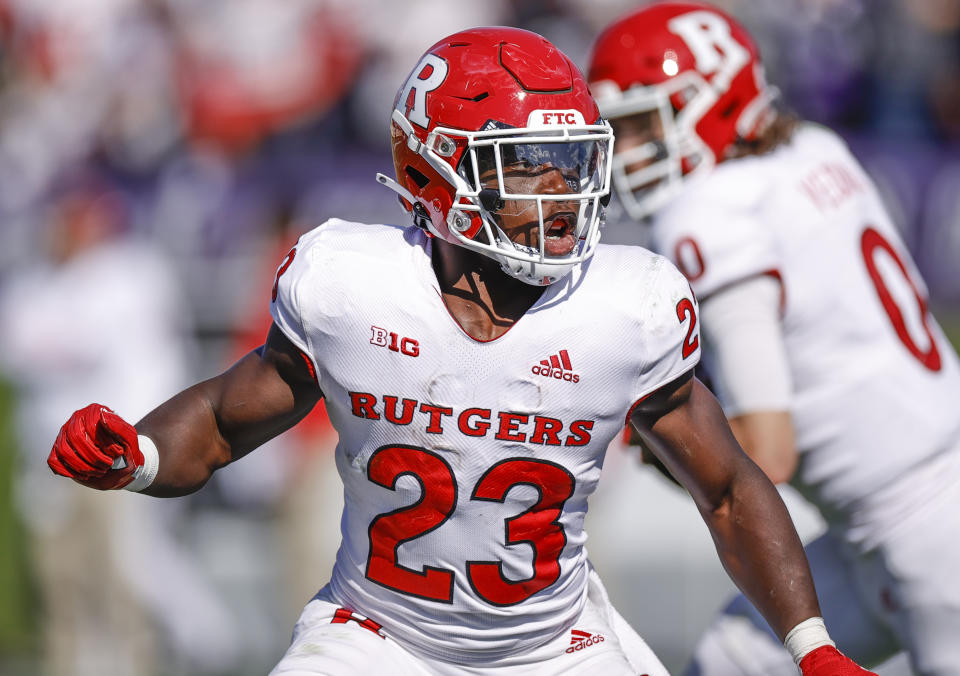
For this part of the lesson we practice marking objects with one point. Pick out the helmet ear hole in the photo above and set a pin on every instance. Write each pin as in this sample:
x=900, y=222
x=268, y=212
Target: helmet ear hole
x=417, y=176
x=730, y=109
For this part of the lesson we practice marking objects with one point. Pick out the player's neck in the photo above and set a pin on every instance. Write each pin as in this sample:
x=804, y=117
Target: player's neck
x=483, y=299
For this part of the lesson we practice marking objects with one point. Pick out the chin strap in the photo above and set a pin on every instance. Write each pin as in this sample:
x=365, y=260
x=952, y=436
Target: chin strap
x=421, y=218
x=414, y=144
x=383, y=179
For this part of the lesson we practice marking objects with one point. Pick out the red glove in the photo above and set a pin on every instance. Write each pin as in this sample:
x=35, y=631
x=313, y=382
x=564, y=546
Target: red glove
x=97, y=448
x=828, y=661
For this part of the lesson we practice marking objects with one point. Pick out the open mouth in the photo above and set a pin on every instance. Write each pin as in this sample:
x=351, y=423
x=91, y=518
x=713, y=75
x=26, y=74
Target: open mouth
x=559, y=239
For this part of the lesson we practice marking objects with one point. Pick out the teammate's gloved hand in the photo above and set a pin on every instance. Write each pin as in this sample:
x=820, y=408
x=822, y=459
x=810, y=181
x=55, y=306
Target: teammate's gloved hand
x=97, y=448
x=828, y=661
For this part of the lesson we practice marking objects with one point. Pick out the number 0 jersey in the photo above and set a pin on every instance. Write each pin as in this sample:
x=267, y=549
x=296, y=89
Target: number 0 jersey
x=467, y=465
x=875, y=383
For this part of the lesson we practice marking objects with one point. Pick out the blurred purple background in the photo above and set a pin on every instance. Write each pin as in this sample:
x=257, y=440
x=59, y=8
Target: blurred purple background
x=215, y=119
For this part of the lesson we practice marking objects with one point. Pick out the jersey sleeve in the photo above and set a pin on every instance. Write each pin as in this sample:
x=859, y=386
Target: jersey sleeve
x=716, y=244
x=286, y=299
x=671, y=325
x=744, y=349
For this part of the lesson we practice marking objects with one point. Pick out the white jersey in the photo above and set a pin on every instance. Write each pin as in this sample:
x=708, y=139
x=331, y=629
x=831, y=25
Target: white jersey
x=467, y=465
x=875, y=383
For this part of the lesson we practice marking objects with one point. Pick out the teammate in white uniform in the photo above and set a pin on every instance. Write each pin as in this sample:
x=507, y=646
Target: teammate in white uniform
x=476, y=365
x=816, y=331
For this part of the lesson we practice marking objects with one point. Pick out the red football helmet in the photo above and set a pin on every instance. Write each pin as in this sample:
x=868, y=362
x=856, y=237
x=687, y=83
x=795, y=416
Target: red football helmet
x=680, y=82
x=485, y=100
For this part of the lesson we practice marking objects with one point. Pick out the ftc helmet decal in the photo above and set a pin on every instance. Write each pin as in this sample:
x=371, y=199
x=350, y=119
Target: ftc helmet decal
x=555, y=118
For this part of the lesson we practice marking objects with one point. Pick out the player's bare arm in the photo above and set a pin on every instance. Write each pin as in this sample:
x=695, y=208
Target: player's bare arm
x=684, y=426
x=222, y=419
x=195, y=432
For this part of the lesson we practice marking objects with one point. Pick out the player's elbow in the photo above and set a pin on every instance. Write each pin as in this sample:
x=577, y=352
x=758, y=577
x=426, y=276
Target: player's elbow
x=181, y=475
x=179, y=483
x=745, y=486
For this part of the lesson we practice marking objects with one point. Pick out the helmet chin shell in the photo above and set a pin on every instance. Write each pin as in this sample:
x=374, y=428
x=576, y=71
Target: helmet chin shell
x=538, y=273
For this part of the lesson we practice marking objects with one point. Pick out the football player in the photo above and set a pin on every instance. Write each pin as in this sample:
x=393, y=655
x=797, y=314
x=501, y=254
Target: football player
x=476, y=364
x=816, y=331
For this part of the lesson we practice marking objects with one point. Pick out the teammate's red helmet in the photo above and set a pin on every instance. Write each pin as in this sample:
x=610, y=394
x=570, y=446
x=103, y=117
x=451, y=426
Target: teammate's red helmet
x=699, y=72
x=489, y=98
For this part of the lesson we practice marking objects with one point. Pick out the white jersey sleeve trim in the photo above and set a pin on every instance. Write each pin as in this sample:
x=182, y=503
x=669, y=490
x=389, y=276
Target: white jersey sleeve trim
x=674, y=345
x=744, y=347
x=286, y=307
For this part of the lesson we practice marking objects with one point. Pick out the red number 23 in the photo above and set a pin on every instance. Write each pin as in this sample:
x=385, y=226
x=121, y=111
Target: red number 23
x=538, y=526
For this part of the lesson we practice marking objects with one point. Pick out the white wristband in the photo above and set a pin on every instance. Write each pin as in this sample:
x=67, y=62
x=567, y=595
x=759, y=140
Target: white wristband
x=807, y=636
x=144, y=475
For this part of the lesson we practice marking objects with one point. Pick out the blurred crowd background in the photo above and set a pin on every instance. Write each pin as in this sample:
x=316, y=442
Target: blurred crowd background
x=158, y=157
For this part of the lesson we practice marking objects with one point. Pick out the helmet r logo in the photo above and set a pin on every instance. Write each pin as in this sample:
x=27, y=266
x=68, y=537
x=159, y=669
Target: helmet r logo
x=715, y=49
x=427, y=76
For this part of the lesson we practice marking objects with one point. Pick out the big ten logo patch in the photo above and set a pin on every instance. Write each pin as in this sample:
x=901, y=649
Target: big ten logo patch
x=394, y=342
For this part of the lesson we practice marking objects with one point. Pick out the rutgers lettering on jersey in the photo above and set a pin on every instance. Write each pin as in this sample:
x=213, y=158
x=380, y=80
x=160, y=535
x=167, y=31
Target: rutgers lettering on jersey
x=474, y=421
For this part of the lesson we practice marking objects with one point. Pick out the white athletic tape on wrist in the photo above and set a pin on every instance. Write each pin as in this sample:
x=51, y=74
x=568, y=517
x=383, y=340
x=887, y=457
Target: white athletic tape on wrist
x=807, y=636
x=144, y=475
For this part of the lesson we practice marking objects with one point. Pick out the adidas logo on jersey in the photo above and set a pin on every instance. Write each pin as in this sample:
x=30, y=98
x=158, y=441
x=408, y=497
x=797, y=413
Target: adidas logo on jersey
x=583, y=639
x=558, y=367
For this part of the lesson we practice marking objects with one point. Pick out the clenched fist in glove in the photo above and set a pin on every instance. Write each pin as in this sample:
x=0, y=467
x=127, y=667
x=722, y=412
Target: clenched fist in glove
x=98, y=448
x=828, y=661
